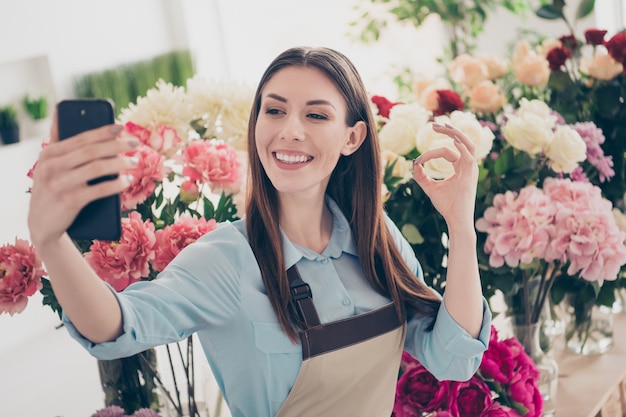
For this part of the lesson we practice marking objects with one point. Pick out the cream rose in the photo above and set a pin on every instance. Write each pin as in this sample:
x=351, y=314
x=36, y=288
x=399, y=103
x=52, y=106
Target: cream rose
x=496, y=66
x=566, y=149
x=467, y=70
x=398, y=134
x=602, y=66
x=529, y=129
x=401, y=169
x=486, y=97
x=620, y=219
x=528, y=67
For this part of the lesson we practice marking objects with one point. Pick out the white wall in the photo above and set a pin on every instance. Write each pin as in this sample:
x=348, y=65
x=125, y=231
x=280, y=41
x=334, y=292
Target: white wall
x=44, y=44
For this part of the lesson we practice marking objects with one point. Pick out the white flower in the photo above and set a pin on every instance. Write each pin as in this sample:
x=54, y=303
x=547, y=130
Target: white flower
x=164, y=104
x=223, y=109
x=566, y=150
x=399, y=132
x=529, y=129
x=401, y=169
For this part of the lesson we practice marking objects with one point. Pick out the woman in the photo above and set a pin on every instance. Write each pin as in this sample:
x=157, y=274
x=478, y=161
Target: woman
x=304, y=306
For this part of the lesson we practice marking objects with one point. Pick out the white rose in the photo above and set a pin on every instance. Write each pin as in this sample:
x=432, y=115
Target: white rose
x=620, y=219
x=399, y=132
x=480, y=135
x=566, y=150
x=439, y=168
x=538, y=108
x=527, y=132
x=401, y=169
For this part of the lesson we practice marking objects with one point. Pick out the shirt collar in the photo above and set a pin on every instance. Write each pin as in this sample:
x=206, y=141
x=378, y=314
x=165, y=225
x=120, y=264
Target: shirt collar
x=341, y=240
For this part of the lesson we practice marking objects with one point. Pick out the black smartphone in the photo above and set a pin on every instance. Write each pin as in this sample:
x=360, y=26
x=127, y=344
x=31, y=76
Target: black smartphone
x=100, y=219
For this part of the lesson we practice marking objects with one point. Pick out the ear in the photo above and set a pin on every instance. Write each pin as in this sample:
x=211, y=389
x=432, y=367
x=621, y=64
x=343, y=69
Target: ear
x=356, y=137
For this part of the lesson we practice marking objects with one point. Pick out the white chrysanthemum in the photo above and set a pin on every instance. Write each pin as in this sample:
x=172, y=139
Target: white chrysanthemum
x=164, y=104
x=224, y=108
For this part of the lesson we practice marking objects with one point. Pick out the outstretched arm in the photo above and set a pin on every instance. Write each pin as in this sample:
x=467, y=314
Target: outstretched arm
x=455, y=199
x=58, y=193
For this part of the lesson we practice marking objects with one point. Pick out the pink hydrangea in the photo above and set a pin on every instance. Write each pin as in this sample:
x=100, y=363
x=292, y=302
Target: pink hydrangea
x=20, y=276
x=214, y=163
x=173, y=238
x=126, y=261
x=566, y=221
x=150, y=169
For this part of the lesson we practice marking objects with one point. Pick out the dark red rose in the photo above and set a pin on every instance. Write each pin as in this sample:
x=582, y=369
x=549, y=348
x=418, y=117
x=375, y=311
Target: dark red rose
x=384, y=105
x=570, y=42
x=470, y=399
x=617, y=47
x=595, y=37
x=417, y=391
x=557, y=57
x=447, y=102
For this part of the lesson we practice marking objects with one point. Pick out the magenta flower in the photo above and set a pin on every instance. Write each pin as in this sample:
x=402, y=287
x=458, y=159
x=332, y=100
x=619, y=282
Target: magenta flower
x=418, y=391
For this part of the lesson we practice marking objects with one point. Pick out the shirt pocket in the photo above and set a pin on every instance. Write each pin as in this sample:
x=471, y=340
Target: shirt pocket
x=270, y=338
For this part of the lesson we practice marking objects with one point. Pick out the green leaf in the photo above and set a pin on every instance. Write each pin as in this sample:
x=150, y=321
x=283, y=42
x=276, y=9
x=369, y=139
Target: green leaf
x=549, y=12
x=412, y=234
x=503, y=162
x=49, y=298
x=585, y=8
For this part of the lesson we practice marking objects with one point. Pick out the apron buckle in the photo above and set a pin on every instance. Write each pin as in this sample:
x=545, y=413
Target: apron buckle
x=300, y=290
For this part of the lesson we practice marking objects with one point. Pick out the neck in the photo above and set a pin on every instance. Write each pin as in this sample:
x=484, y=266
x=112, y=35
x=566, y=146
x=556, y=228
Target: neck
x=306, y=222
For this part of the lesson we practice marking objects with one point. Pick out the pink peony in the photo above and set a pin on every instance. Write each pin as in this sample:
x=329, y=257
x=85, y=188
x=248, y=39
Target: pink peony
x=20, y=276
x=499, y=410
x=173, y=238
x=148, y=171
x=418, y=391
x=127, y=261
x=212, y=162
x=470, y=398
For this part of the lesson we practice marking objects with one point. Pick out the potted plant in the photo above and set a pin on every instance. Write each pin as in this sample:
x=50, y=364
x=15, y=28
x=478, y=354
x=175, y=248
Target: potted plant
x=9, y=128
x=36, y=107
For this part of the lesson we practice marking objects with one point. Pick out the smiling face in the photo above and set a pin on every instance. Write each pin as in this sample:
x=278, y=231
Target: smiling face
x=301, y=130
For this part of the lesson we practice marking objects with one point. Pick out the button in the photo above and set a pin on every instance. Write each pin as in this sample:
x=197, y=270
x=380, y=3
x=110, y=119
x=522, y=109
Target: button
x=346, y=302
x=325, y=261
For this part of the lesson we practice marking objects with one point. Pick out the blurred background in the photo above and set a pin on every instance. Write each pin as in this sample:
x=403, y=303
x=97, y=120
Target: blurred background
x=65, y=48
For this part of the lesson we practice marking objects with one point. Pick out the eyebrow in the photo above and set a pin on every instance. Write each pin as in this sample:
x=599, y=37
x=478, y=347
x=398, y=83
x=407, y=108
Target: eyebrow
x=308, y=103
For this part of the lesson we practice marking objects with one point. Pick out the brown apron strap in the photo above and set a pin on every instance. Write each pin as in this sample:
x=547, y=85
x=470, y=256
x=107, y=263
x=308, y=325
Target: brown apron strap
x=303, y=298
x=347, y=332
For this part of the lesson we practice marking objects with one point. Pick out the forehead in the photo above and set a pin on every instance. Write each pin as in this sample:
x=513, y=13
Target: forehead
x=307, y=82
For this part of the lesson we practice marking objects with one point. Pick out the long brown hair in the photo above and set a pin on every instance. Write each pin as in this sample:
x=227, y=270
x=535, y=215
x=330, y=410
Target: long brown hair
x=355, y=185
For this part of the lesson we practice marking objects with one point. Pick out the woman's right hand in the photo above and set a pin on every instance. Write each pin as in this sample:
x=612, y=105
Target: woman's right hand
x=60, y=188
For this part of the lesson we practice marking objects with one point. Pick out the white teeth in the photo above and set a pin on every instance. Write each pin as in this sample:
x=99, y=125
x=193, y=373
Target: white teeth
x=292, y=159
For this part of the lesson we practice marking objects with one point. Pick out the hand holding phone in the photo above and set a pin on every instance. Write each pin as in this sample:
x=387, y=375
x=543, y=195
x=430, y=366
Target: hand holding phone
x=99, y=219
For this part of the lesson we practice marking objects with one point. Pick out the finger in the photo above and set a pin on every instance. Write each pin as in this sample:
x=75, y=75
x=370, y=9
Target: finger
x=87, y=138
x=455, y=134
x=80, y=176
x=54, y=128
x=444, y=152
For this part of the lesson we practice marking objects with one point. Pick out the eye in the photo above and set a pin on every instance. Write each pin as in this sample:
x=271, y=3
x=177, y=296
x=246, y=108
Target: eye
x=317, y=116
x=272, y=111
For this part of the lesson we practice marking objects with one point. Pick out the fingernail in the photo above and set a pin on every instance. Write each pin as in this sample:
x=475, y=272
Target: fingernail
x=449, y=125
x=115, y=129
x=132, y=141
x=436, y=124
x=131, y=160
x=417, y=160
x=127, y=179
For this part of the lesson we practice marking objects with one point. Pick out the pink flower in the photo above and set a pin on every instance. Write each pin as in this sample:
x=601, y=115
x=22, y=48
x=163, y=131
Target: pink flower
x=163, y=139
x=212, y=162
x=20, y=276
x=173, y=238
x=498, y=363
x=417, y=391
x=470, y=398
x=148, y=171
x=593, y=137
x=127, y=261
x=524, y=390
x=499, y=410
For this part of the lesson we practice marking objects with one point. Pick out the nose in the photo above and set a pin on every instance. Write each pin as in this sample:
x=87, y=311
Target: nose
x=293, y=129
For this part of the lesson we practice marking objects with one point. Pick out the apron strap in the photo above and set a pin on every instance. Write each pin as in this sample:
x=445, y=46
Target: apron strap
x=303, y=297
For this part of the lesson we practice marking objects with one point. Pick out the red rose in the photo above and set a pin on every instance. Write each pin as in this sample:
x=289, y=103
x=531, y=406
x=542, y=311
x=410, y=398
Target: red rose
x=384, y=105
x=595, y=37
x=617, y=48
x=570, y=42
x=557, y=57
x=448, y=101
x=470, y=399
x=418, y=391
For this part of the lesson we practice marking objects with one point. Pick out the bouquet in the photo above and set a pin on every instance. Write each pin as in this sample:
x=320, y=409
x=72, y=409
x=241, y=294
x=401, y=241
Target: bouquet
x=189, y=175
x=504, y=385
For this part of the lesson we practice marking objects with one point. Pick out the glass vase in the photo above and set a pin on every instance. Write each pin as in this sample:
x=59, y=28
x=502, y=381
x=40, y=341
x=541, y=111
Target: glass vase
x=529, y=336
x=590, y=329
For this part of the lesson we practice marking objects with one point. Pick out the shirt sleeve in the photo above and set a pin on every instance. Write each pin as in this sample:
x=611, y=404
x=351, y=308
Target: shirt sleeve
x=447, y=351
x=200, y=288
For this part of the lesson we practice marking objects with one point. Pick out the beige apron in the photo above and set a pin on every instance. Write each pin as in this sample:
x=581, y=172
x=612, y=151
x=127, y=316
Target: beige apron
x=350, y=367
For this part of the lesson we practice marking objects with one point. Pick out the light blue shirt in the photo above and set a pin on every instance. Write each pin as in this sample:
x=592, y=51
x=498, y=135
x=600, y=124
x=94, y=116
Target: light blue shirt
x=214, y=288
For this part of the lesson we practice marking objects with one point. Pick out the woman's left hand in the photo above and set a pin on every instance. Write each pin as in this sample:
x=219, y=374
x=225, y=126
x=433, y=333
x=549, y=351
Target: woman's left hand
x=454, y=197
